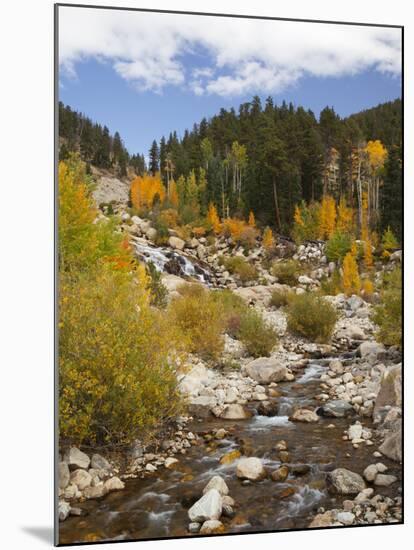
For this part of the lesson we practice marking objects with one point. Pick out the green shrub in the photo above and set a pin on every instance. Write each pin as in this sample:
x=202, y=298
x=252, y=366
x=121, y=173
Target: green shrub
x=279, y=298
x=258, y=337
x=331, y=286
x=287, y=271
x=388, y=314
x=159, y=292
x=240, y=267
x=198, y=317
x=311, y=316
x=338, y=246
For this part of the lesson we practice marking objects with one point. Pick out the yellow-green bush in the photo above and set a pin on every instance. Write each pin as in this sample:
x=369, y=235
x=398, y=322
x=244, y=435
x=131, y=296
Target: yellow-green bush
x=287, y=271
x=258, y=336
x=338, y=246
x=241, y=267
x=311, y=316
x=198, y=317
x=388, y=314
x=117, y=380
x=279, y=298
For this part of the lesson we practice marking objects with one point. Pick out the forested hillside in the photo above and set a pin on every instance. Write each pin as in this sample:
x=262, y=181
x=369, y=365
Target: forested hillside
x=265, y=159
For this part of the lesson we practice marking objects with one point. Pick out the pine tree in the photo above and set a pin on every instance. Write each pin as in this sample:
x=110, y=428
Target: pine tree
x=154, y=158
x=391, y=195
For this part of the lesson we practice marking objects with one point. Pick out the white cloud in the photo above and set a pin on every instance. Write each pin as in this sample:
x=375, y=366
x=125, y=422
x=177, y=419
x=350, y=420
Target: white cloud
x=245, y=55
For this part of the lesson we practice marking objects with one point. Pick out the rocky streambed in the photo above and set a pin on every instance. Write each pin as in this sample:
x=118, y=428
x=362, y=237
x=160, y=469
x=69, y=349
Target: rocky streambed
x=300, y=485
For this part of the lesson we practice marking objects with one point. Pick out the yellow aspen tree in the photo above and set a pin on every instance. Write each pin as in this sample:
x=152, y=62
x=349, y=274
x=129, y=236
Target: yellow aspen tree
x=144, y=189
x=345, y=217
x=252, y=221
x=298, y=216
x=327, y=220
x=350, y=279
x=268, y=239
x=368, y=258
x=213, y=218
x=173, y=196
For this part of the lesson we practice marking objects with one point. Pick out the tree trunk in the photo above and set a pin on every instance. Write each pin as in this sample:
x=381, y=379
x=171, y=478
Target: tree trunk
x=279, y=225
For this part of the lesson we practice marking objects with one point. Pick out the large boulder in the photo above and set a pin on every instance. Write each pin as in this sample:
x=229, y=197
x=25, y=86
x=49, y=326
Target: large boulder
x=176, y=242
x=195, y=380
x=113, y=484
x=64, y=475
x=235, y=411
x=265, y=370
x=209, y=506
x=201, y=406
x=76, y=459
x=336, y=409
x=345, y=482
x=98, y=462
x=250, y=468
x=392, y=444
x=218, y=483
x=81, y=478
x=390, y=393
x=370, y=349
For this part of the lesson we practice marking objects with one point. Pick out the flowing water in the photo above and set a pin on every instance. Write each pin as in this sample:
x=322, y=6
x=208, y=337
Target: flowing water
x=170, y=261
x=157, y=506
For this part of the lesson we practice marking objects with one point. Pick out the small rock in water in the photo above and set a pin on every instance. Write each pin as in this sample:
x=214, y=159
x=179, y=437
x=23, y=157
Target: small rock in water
x=150, y=467
x=280, y=474
x=170, y=461
x=345, y=482
x=281, y=445
x=284, y=456
x=211, y=526
x=194, y=527
x=63, y=510
x=114, y=484
x=217, y=482
x=250, y=468
x=304, y=415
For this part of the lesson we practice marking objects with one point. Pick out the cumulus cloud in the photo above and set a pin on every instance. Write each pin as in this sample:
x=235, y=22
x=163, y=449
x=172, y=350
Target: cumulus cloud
x=240, y=56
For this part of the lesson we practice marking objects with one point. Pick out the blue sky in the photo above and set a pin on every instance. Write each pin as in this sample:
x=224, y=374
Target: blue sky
x=146, y=75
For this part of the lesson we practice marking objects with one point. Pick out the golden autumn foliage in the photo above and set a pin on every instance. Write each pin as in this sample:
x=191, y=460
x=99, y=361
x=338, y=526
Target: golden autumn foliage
x=268, y=239
x=377, y=154
x=298, y=216
x=327, y=217
x=213, y=218
x=345, y=217
x=367, y=288
x=252, y=221
x=117, y=378
x=233, y=227
x=350, y=280
x=145, y=190
x=173, y=194
x=368, y=257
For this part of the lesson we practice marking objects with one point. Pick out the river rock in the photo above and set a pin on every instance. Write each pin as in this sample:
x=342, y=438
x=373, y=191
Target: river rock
x=170, y=461
x=384, y=480
x=230, y=457
x=75, y=458
x=201, y=406
x=370, y=472
x=176, y=242
x=345, y=482
x=95, y=492
x=265, y=370
x=355, y=431
x=304, y=415
x=64, y=475
x=336, y=409
x=98, y=462
x=370, y=348
x=151, y=234
x=280, y=474
x=212, y=526
x=351, y=332
x=81, y=478
x=235, y=412
x=218, y=483
x=194, y=527
x=209, y=506
x=114, y=484
x=323, y=520
x=346, y=518
x=63, y=510
x=250, y=468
